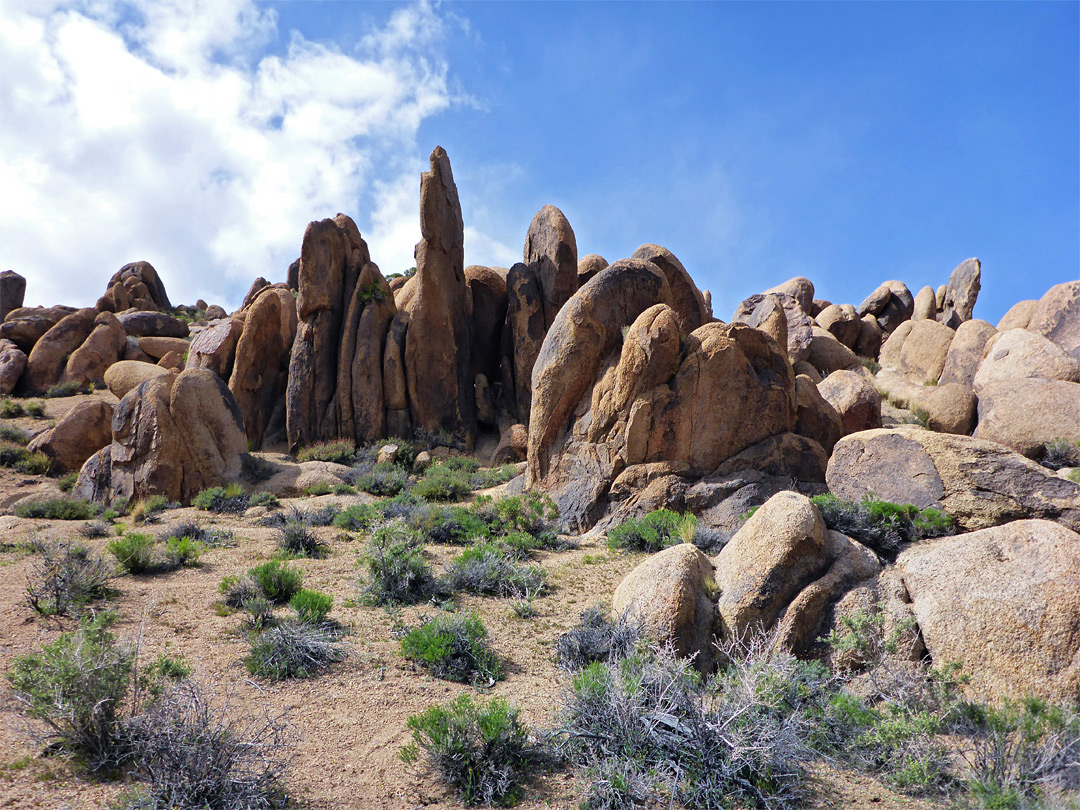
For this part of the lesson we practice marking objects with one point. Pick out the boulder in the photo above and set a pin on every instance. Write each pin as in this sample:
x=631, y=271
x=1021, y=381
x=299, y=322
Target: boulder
x=152, y=324
x=815, y=417
x=1018, y=316
x=215, y=347
x=1024, y=414
x=961, y=293
x=785, y=455
x=966, y=352
x=950, y=408
x=854, y=398
x=215, y=313
x=176, y=435
x=137, y=285
x=12, y=365
x=1020, y=353
x=588, y=266
x=1003, y=601
x=133, y=352
x=103, y=347
x=50, y=354
x=523, y=335
x=804, y=369
x=841, y=321
x=292, y=479
x=12, y=290
x=24, y=327
x=172, y=360
x=799, y=288
x=513, y=446
x=668, y=595
x=551, y=251
x=891, y=303
x=779, y=550
x=686, y=298
x=395, y=392
x=81, y=432
x=158, y=347
x=923, y=354
x=979, y=482
x=757, y=310
x=925, y=305
x=126, y=375
x=827, y=354
x=868, y=344
x=889, y=357
x=437, y=362
x=257, y=286
x=94, y=482
x=1057, y=317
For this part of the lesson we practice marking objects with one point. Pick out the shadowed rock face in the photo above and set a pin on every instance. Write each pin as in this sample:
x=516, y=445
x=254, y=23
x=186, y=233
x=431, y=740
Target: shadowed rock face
x=136, y=285
x=437, y=362
x=344, y=307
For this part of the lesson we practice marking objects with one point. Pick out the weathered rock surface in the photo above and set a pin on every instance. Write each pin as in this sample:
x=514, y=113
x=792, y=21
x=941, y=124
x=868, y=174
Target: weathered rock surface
x=965, y=281
x=513, y=445
x=966, y=352
x=487, y=313
x=152, y=324
x=215, y=347
x=891, y=303
x=925, y=348
x=158, y=347
x=103, y=347
x=437, y=362
x=925, y=305
x=1018, y=316
x=1024, y=414
x=127, y=375
x=588, y=266
x=1019, y=354
x=1004, y=602
x=979, y=482
x=523, y=336
x=760, y=310
x=950, y=408
x=686, y=298
x=175, y=435
x=815, y=417
x=551, y=251
x=1057, y=317
x=12, y=291
x=868, y=344
x=50, y=354
x=842, y=322
x=667, y=594
x=136, y=285
x=12, y=365
x=854, y=398
x=25, y=326
x=889, y=356
x=260, y=374
x=827, y=354
x=80, y=433
x=799, y=288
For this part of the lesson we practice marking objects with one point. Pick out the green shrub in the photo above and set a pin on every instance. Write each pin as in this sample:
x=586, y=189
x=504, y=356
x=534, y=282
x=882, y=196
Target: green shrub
x=293, y=650
x=230, y=499
x=443, y=483
x=11, y=409
x=267, y=499
x=533, y=513
x=67, y=482
x=396, y=569
x=492, y=569
x=66, y=389
x=76, y=686
x=317, y=489
x=656, y=531
x=881, y=525
x=10, y=433
x=481, y=750
x=183, y=552
x=455, y=525
x=298, y=539
x=35, y=409
x=493, y=476
x=311, y=606
x=67, y=577
x=19, y=458
x=1060, y=453
x=207, y=536
x=1074, y=476
x=277, y=582
x=594, y=639
x=134, y=552
x=338, y=451
x=358, y=518
x=384, y=480
x=454, y=648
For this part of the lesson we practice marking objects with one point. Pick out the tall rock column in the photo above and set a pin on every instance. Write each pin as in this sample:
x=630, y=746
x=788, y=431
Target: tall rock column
x=437, y=340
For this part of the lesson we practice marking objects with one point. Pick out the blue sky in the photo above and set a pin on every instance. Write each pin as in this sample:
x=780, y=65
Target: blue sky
x=848, y=142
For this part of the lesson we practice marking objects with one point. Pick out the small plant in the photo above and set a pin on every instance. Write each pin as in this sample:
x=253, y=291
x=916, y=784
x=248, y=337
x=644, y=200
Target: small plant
x=67, y=482
x=317, y=489
x=1074, y=476
x=656, y=531
x=95, y=528
x=492, y=569
x=384, y=480
x=595, y=639
x=267, y=499
x=278, y=582
x=293, y=650
x=358, y=518
x=297, y=539
x=35, y=409
x=881, y=525
x=311, y=606
x=10, y=433
x=397, y=571
x=11, y=409
x=338, y=451
x=67, y=577
x=481, y=750
x=76, y=686
x=493, y=476
x=134, y=552
x=207, y=536
x=523, y=609
x=148, y=509
x=230, y=499
x=442, y=482
x=371, y=292
x=454, y=648
x=183, y=552
x=66, y=389
x=1060, y=453
x=870, y=364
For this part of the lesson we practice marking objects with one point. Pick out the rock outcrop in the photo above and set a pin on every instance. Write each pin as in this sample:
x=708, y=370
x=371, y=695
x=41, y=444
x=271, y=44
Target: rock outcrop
x=80, y=433
x=134, y=286
x=12, y=291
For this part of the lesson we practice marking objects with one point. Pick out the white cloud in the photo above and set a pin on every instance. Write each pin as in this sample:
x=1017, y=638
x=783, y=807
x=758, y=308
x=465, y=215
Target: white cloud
x=166, y=131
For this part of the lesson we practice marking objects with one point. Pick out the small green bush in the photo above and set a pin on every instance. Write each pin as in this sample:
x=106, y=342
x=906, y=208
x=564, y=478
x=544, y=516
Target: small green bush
x=10, y=433
x=293, y=650
x=35, y=409
x=66, y=389
x=67, y=482
x=19, y=458
x=492, y=569
x=298, y=539
x=1060, y=453
x=76, y=686
x=454, y=648
x=67, y=577
x=134, y=552
x=384, y=480
x=11, y=409
x=338, y=451
x=183, y=552
x=481, y=750
x=443, y=483
x=396, y=569
x=267, y=499
x=207, y=536
x=311, y=606
x=881, y=525
x=594, y=639
x=656, y=531
x=317, y=489
x=358, y=518
x=230, y=499
x=493, y=476
x=277, y=582
x=455, y=525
